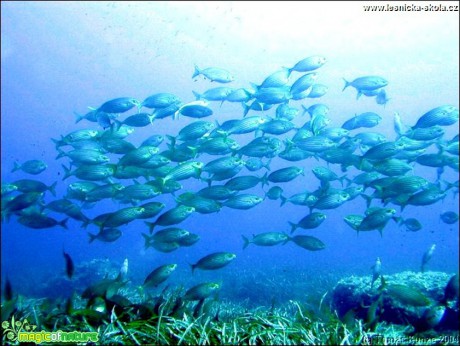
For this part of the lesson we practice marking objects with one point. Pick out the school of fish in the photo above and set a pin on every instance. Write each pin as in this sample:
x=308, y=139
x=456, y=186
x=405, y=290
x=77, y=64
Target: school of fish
x=100, y=163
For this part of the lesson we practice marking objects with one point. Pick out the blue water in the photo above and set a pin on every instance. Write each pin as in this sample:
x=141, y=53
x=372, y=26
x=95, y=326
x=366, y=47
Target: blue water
x=58, y=58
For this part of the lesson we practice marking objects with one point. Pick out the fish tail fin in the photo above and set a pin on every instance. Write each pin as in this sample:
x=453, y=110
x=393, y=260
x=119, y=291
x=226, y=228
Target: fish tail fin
x=367, y=198
x=293, y=226
x=78, y=117
x=151, y=225
x=147, y=239
x=264, y=180
x=255, y=87
x=342, y=178
x=197, y=95
x=173, y=141
x=246, y=242
x=92, y=237
x=197, y=72
x=283, y=200
x=61, y=153
x=246, y=109
x=63, y=223
x=305, y=110
x=67, y=172
x=16, y=167
x=267, y=164
x=58, y=142
x=117, y=124
x=52, y=188
x=347, y=84
x=398, y=219
x=289, y=70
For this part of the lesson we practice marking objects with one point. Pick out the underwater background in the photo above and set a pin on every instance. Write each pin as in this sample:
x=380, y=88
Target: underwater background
x=63, y=57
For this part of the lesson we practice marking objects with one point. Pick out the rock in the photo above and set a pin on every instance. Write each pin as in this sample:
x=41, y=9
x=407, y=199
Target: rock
x=406, y=298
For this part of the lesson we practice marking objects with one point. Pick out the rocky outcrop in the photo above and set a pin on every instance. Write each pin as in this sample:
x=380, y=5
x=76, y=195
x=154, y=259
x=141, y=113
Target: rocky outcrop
x=406, y=298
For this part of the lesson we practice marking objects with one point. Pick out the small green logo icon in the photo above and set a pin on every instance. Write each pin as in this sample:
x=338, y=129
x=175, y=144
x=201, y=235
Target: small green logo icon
x=12, y=328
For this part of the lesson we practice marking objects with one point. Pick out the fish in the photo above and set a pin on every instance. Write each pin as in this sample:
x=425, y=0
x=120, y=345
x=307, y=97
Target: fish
x=136, y=120
x=326, y=175
x=40, y=221
x=67, y=207
x=254, y=164
x=138, y=156
x=366, y=83
x=137, y=192
x=310, y=221
x=376, y=219
x=160, y=100
x=107, y=235
x=392, y=167
x=412, y=224
x=169, y=111
x=274, y=193
x=242, y=201
x=159, y=275
x=69, y=266
x=308, y=242
x=443, y=116
x=184, y=171
x=122, y=217
x=331, y=201
x=91, y=172
x=214, y=261
x=223, y=164
x=303, y=83
x=276, y=126
x=266, y=239
x=449, y=217
x=172, y=217
x=217, y=192
x=118, y=105
x=308, y=64
x=284, y=111
x=240, y=95
x=407, y=295
x=276, y=79
x=382, y=98
x=189, y=240
x=214, y=94
x=286, y=174
x=451, y=290
x=425, y=134
x=245, y=182
x=202, y=291
x=76, y=136
x=366, y=120
x=85, y=156
x=214, y=74
x=195, y=109
x=376, y=270
x=427, y=257
x=273, y=95
x=31, y=167
x=166, y=235
x=30, y=185
x=195, y=130
x=153, y=140
x=317, y=90
x=315, y=144
x=202, y=205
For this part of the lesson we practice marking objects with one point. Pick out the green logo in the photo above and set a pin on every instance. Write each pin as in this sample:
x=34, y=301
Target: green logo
x=23, y=331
